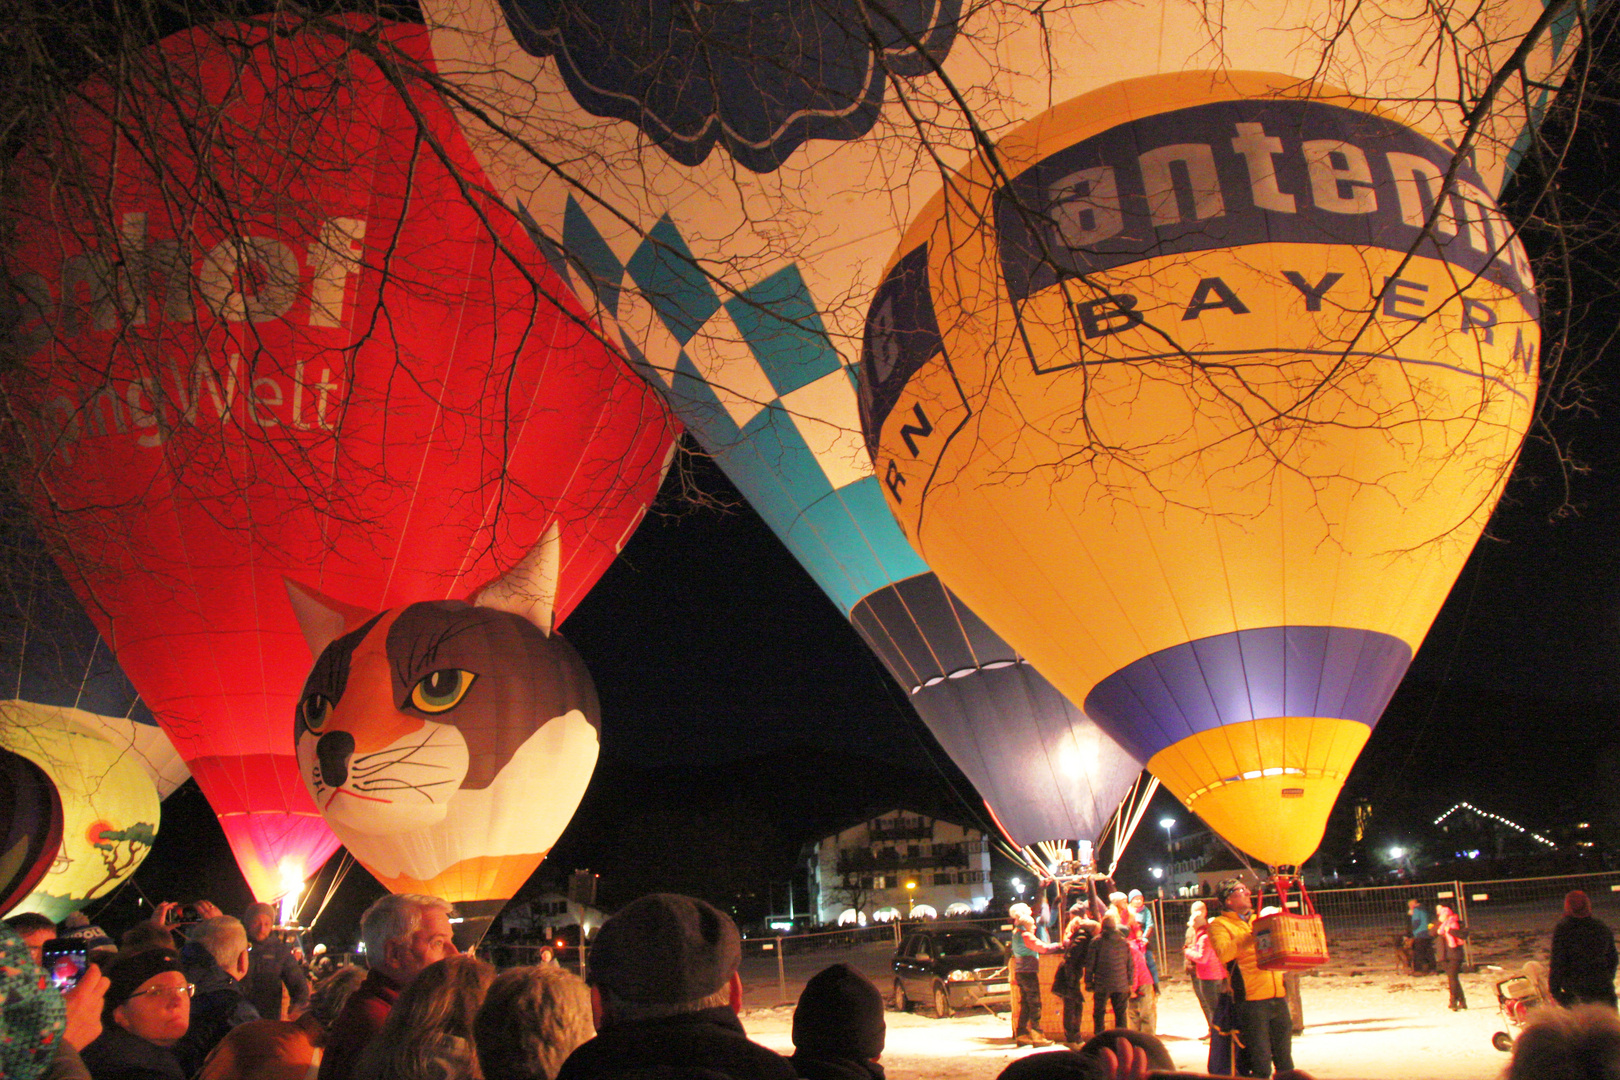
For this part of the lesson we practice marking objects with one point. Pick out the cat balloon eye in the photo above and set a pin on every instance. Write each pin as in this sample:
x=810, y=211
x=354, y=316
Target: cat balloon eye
x=441, y=691
x=314, y=711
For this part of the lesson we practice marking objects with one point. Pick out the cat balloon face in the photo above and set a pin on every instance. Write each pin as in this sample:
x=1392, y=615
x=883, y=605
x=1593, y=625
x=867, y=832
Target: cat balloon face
x=446, y=732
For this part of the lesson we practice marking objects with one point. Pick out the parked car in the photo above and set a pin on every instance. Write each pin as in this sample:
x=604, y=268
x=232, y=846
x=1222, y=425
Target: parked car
x=951, y=966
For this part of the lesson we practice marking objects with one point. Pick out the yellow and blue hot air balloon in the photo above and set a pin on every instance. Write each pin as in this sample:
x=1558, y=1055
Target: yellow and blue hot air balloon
x=1202, y=392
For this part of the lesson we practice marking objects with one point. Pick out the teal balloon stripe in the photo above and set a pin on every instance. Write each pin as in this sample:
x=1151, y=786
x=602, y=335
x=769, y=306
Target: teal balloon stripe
x=828, y=510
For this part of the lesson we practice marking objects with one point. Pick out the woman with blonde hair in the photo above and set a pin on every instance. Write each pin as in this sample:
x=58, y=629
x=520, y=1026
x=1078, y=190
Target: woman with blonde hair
x=1203, y=963
x=532, y=1019
x=429, y=1033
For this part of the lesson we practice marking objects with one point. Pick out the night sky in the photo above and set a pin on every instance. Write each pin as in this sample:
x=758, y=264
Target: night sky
x=738, y=704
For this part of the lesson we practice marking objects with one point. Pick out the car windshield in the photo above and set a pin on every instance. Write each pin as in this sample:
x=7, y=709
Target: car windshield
x=963, y=942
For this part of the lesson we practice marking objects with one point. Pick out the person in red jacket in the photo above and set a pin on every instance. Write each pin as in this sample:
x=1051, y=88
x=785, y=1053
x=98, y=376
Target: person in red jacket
x=402, y=934
x=1448, y=940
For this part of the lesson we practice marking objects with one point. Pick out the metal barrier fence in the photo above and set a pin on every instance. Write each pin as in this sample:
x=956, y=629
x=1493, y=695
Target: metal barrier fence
x=1509, y=921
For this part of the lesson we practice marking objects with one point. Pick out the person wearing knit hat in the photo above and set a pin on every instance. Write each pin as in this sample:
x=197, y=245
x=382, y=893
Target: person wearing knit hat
x=149, y=1003
x=838, y=1027
x=665, y=993
x=1583, y=956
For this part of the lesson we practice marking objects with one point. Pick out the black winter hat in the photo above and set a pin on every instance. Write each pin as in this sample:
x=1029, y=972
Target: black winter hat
x=127, y=973
x=665, y=949
x=840, y=1014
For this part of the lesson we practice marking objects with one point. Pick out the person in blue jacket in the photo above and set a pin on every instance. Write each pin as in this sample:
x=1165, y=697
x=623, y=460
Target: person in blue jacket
x=1028, y=943
x=1422, y=939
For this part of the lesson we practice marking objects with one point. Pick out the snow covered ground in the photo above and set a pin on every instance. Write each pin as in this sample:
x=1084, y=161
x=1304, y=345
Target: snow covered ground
x=1362, y=1021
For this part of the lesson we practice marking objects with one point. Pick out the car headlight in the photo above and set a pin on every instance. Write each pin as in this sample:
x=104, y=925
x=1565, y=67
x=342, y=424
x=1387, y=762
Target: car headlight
x=960, y=975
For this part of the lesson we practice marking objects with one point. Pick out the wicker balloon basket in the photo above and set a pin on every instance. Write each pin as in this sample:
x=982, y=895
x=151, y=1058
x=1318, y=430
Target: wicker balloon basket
x=1287, y=941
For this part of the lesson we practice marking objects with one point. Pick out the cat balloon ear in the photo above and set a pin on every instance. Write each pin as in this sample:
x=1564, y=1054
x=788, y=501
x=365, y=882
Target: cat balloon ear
x=322, y=619
x=529, y=589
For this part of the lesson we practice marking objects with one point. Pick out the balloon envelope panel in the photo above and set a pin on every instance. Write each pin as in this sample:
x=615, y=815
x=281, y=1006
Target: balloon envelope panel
x=1205, y=413
x=331, y=359
x=110, y=805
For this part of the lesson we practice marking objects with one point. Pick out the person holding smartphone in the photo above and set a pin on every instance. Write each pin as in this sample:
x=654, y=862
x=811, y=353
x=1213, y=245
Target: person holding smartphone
x=42, y=1029
x=35, y=930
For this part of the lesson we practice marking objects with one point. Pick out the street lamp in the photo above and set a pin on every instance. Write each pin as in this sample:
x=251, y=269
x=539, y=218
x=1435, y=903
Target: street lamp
x=1168, y=824
x=1018, y=885
x=911, y=898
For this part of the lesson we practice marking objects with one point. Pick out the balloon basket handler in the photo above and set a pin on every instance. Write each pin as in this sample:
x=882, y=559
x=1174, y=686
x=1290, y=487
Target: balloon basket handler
x=1051, y=1004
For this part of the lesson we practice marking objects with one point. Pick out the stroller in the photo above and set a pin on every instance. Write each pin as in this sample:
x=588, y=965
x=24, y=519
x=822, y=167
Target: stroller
x=1516, y=997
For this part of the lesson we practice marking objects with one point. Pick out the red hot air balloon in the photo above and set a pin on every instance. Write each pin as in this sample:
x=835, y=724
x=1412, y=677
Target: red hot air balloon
x=275, y=327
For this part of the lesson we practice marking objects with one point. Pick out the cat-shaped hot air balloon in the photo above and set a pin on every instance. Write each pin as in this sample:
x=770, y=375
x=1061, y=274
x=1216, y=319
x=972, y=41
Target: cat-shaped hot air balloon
x=448, y=742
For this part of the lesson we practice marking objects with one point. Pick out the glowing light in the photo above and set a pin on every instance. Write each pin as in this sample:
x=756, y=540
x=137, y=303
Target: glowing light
x=1397, y=853
x=1499, y=819
x=291, y=874
x=1167, y=823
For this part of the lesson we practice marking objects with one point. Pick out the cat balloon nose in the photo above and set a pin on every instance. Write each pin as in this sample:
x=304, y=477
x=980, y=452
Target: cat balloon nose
x=334, y=749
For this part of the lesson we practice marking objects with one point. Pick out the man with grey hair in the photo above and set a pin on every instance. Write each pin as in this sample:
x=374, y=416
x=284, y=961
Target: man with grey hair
x=401, y=934
x=215, y=959
x=665, y=993
x=272, y=966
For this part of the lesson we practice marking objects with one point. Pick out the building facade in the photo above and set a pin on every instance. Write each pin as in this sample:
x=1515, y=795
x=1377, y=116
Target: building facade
x=545, y=916
x=899, y=865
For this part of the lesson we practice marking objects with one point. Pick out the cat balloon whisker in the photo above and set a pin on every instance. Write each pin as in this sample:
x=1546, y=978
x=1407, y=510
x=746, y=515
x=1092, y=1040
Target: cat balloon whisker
x=402, y=763
x=392, y=784
x=431, y=740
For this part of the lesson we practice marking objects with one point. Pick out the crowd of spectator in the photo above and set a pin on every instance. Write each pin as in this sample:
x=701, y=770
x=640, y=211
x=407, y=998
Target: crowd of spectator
x=662, y=1000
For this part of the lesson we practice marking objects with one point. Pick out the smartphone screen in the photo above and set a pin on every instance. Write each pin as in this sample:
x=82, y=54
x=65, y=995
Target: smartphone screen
x=64, y=960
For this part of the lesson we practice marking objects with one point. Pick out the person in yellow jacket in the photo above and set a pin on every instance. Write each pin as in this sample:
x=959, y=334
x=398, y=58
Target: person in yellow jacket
x=1264, y=1023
